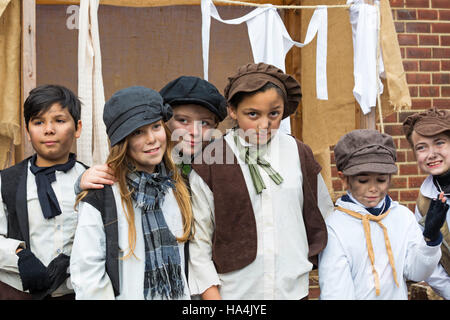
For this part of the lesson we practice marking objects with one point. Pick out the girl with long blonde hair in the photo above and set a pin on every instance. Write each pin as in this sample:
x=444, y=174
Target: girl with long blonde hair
x=130, y=239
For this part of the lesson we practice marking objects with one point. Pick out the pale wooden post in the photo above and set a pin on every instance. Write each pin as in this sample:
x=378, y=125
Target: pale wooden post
x=368, y=121
x=28, y=66
x=292, y=20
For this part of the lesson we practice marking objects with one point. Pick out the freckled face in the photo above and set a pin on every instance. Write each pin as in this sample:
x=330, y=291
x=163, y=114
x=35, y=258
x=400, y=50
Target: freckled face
x=258, y=115
x=432, y=153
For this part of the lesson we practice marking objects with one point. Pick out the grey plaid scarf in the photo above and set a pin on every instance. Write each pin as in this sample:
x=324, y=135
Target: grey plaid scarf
x=163, y=272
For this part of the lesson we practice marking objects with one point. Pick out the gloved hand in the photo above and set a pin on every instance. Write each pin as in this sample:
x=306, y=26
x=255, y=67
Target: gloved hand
x=32, y=272
x=57, y=271
x=435, y=218
x=57, y=274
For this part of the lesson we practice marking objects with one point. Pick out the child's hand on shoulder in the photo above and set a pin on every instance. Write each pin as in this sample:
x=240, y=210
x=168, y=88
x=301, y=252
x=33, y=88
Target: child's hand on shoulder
x=97, y=176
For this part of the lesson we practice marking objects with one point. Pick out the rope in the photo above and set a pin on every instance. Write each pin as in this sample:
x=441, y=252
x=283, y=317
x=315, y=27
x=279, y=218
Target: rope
x=378, y=66
x=250, y=4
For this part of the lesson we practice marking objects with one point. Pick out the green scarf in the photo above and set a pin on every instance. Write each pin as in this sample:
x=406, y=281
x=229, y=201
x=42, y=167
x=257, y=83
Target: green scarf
x=254, y=159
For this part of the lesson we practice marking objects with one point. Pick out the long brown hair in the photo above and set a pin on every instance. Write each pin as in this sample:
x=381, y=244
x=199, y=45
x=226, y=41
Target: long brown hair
x=118, y=160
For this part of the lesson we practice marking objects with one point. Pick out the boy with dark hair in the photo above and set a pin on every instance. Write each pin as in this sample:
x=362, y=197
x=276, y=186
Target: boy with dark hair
x=37, y=218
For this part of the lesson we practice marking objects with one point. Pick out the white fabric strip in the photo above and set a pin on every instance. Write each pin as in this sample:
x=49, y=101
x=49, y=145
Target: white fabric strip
x=364, y=21
x=270, y=40
x=92, y=146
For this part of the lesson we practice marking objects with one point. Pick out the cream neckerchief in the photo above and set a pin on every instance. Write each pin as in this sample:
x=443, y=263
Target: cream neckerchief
x=366, y=225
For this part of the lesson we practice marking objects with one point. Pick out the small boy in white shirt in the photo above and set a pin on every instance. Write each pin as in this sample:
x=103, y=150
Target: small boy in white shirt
x=374, y=243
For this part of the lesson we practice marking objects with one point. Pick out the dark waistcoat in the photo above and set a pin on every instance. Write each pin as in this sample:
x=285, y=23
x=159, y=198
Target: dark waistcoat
x=14, y=195
x=103, y=200
x=234, y=242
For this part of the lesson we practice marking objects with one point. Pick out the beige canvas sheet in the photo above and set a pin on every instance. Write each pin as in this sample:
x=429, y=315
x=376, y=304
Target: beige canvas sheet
x=10, y=62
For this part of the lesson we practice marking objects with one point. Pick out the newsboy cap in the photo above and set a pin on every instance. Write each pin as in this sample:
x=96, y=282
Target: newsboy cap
x=131, y=108
x=254, y=76
x=194, y=90
x=427, y=123
x=365, y=150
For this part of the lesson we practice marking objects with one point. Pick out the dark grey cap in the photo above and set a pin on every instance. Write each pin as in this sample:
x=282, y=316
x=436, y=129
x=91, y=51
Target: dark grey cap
x=131, y=108
x=365, y=150
x=194, y=90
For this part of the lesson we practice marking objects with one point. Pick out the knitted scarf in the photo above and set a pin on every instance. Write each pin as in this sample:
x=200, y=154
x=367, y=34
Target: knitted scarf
x=163, y=272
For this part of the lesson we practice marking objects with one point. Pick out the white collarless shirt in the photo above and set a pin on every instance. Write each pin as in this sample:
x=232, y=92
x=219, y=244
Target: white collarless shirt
x=345, y=270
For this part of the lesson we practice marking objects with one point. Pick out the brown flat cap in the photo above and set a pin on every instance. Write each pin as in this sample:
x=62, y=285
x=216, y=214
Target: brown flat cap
x=365, y=150
x=428, y=123
x=252, y=77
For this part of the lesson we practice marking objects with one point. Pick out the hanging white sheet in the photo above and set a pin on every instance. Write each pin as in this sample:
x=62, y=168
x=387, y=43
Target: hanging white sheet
x=364, y=21
x=92, y=146
x=270, y=41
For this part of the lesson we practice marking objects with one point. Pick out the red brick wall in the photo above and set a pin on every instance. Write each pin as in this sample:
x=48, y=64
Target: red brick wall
x=423, y=29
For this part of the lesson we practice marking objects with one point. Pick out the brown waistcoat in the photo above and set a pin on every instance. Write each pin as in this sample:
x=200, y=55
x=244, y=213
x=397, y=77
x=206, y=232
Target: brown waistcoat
x=234, y=242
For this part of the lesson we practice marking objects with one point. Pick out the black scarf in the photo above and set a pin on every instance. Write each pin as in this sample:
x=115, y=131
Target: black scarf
x=442, y=182
x=44, y=178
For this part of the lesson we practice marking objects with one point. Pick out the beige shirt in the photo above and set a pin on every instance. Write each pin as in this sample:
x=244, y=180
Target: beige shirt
x=281, y=267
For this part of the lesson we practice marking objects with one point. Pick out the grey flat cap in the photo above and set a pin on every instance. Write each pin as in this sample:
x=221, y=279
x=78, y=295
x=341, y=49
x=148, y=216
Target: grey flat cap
x=365, y=150
x=131, y=108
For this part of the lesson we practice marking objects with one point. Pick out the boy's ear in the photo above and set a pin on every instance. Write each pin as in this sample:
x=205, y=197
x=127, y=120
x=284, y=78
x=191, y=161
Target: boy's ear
x=78, y=131
x=28, y=134
x=344, y=179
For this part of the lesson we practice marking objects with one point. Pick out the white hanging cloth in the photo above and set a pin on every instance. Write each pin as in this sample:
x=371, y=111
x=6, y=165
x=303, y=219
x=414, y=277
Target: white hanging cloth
x=92, y=146
x=270, y=41
x=364, y=21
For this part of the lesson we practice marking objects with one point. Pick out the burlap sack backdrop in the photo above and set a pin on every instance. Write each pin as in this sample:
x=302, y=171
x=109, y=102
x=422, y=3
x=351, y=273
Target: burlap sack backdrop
x=10, y=116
